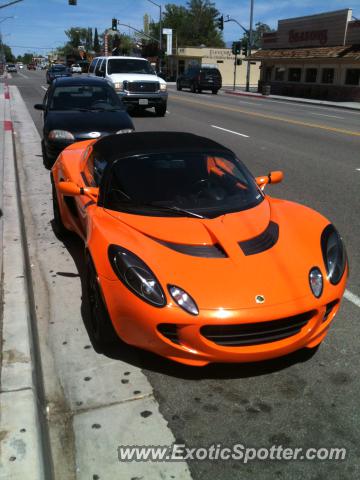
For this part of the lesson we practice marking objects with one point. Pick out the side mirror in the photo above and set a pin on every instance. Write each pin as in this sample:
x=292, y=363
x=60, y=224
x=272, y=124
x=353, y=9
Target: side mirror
x=273, y=177
x=70, y=189
x=39, y=106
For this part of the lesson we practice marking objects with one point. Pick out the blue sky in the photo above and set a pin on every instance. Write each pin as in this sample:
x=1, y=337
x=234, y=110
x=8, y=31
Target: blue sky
x=41, y=23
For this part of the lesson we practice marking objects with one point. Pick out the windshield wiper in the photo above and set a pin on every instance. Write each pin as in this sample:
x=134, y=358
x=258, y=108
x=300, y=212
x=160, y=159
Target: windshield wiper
x=178, y=210
x=175, y=209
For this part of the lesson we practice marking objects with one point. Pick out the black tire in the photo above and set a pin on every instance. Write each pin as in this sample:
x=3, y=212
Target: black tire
x=193, y=88
x=160, y=110
x=199, y=90
x=59, y=228
x=215, y=92
x=102, y=330
x=178, y=86
x=46, y=160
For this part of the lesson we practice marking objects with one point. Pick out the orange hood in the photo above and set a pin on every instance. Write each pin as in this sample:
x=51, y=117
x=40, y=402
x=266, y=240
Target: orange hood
x=279, y=273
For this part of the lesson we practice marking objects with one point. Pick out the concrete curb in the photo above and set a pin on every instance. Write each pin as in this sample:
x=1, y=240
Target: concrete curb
x=291, y=100
x=21, y=453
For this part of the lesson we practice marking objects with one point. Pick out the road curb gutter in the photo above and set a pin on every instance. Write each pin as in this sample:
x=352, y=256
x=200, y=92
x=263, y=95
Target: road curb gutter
x=21, y=454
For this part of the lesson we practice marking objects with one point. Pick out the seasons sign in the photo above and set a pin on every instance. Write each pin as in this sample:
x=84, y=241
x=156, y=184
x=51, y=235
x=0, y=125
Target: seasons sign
x=312, y=36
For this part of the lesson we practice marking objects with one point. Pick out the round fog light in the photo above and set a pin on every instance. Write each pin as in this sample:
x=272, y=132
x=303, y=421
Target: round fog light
x=316, y=281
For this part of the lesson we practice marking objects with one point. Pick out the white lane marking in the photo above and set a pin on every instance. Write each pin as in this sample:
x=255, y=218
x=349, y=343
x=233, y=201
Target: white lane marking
x=44, y=88
x=352, y=298
x=230, y=131
x=250, y=103
x=24, y=76
x=330, y=116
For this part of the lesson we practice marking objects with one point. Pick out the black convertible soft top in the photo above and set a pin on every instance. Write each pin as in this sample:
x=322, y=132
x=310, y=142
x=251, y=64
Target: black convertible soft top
x=114, y=147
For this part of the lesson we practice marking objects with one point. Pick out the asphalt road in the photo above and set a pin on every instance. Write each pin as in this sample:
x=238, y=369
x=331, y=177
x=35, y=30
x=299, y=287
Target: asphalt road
x=302, y=400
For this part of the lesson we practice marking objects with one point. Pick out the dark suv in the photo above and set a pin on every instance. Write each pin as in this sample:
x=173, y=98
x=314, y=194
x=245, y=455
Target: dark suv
x=200, y=78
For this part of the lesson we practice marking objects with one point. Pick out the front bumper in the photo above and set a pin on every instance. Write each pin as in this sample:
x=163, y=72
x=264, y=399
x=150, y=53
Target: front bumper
x=137, y=323
x=135, y=99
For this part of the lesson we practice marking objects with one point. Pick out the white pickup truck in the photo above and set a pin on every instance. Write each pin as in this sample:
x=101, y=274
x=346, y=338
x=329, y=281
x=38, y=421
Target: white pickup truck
x=134, y=80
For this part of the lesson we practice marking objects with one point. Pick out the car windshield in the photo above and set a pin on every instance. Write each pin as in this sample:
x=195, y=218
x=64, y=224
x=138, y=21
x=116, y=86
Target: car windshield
x=129, y=66
x=203, y=184
x=87, y=97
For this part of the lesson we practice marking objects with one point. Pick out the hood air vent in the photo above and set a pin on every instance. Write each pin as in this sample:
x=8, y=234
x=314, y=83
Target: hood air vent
x=262, y=242
x=203, y=251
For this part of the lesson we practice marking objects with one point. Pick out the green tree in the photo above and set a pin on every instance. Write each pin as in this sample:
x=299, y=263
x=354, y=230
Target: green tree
x=202, y=17
x=257, y=33
x=89, y=40
x=6, y=51
x=122, y=45
x=27, y=57
x=193, y=25
x=96, y=42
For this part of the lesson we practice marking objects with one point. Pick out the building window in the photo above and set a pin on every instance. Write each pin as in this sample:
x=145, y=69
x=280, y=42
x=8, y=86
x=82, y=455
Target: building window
x=311, y=75
x=294, y=74
x=279, y=74
x=328, y=75
x=268, y=71
x=352, y=76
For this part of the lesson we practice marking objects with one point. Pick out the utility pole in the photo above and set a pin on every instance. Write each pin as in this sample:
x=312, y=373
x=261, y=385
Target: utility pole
x=160, y=33
x=250, y=45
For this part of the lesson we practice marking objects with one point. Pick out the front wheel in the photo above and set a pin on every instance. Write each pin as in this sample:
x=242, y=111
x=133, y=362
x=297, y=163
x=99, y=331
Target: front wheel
x=178, y=86
x=59, y=228
x=215, y=91
x=160, y=110
x=101, y=327
x=46, y=160
x=193, y=88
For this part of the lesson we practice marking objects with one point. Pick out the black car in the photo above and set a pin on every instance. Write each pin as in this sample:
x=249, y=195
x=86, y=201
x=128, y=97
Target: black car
x=56, y=71
x=80, y=108
x=199, y=78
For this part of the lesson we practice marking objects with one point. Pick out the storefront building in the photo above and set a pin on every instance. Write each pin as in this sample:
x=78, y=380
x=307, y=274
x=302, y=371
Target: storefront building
x=222, y=58
x=316, y=56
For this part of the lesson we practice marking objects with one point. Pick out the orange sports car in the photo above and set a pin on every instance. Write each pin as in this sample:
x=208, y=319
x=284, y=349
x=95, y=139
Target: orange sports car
x=187, y=257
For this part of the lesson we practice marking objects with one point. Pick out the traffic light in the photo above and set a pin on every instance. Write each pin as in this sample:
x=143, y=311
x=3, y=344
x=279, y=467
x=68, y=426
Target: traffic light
x=114, y=24
x=244, y=49
x=220, y=22
x=72, y=2
x=236, y=48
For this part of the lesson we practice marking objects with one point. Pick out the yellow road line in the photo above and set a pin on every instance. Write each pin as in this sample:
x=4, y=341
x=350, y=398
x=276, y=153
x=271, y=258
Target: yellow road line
x=268, y=117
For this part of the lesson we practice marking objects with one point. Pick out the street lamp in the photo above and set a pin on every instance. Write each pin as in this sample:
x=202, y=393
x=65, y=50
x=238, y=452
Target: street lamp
x=160, y=27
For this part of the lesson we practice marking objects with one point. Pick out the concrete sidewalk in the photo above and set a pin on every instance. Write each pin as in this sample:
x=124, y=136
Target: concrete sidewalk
x=21, y=453
x=310, y=101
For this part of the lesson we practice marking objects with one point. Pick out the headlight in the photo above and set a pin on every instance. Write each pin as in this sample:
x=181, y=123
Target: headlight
x=119, y=86
x=183, y=299
x=125, y=130
x=136, y=275
x=61, y=135
x=316, y=281
x=163, y=87
x=333, y=253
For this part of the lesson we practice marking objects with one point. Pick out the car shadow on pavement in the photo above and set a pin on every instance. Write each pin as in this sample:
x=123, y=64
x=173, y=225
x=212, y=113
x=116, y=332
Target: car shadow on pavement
x=151, y=362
